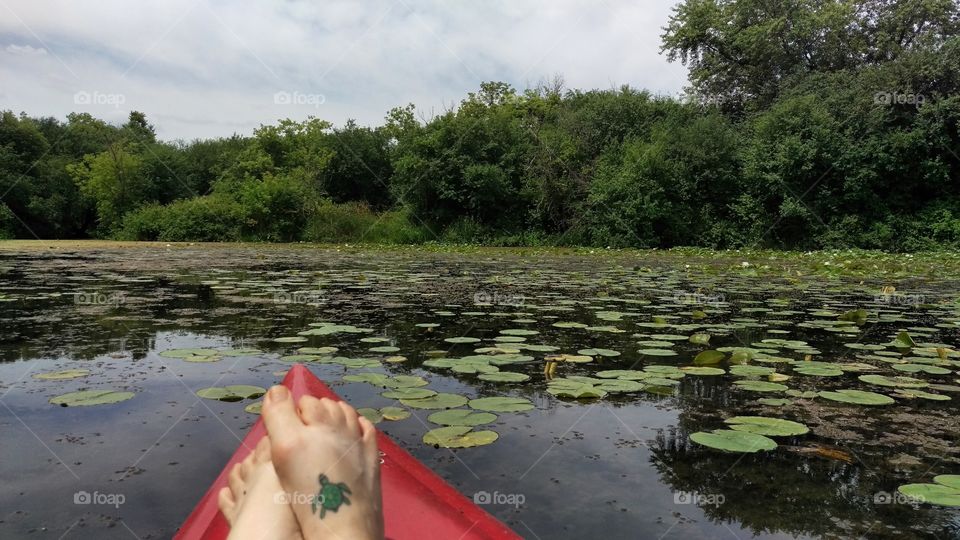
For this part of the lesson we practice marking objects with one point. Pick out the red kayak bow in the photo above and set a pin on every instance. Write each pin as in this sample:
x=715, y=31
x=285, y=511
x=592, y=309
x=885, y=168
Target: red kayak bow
x=417, y=504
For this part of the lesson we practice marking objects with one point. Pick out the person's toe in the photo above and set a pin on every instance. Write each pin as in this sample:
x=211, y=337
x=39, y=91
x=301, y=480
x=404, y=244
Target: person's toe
x=335, y=417
x=235, y=481
x=261, y=454
x=350, y=418
x=280, y=417
x=226, y=502
x=313, y=411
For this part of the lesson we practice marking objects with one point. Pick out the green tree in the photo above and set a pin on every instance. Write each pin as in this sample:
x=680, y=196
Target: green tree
x=114, y=181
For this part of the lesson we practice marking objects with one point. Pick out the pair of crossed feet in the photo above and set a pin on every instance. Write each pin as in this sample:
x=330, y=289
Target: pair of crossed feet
x=316, y=475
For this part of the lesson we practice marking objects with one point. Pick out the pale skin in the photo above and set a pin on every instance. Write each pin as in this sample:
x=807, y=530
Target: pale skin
x=273, y=494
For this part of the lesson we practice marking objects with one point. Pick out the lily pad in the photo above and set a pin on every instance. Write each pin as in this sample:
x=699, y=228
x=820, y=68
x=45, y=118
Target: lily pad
x=60, y=375
x=708, y=358
x=857, y=397
x=394, y=413
x=897, y=382
x=760, y=386
x=462, y=339
x=501, y=404
x=734, y=441
x=598, y=352
x=504, y=376
x=408, y=393
x=373, y=415
x=91, y=397
x=254, y=408
x=437, y=401
x=246, y=391
x=459, y=437
x=461, y=417
x=702, y=370
x=762, y=425
x=944, y=492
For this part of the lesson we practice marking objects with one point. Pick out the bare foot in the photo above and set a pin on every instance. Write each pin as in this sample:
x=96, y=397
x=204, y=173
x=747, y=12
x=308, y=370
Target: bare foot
x=255, y=505
x=326, y=457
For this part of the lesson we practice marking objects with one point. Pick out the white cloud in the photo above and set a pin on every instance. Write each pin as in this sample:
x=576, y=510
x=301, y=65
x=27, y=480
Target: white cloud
x=202, y=68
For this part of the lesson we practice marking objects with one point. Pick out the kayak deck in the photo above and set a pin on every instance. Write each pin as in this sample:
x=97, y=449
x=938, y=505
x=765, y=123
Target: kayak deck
x=417, y=503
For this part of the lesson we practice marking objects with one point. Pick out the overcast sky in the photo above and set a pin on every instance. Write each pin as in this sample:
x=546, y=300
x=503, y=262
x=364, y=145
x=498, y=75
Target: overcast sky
x=205, y=68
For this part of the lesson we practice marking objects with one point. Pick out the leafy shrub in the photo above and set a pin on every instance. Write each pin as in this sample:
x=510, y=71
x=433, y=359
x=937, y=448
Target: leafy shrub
x=356, y=222
x=203, y=219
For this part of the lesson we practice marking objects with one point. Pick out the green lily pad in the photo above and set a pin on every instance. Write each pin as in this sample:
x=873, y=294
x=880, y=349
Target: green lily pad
x=404, y=381
x=246, y=391
x=408, y=393
x=501, y=404
x=459, y=437
x=371, y=378
x=438, y=401
x=598, y=352
x=290, y=339
x=762, y=425
x=373, y=415
x=760, y=386
x=944, y=492
x=239, y=352
x=897, y=382
x=904, y=341
x=709, y=357
x=857, y=397
x=384, y=349
x=254, y=408
x=504, y=376
x=913, y=393
x=817, y=370
x=924, y=368
x=60, y=375
x=743, y=370
x=394, y=414
x=657, y=352
x=461, y=417
x=519, y=332
x=734, y=441
x=462, y=339
x=702, y=370
x=219, y=394
x=91, y=397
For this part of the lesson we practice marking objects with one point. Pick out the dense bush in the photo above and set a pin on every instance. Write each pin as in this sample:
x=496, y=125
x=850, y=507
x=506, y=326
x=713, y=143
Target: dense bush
x=202, y=219
x=356, y=222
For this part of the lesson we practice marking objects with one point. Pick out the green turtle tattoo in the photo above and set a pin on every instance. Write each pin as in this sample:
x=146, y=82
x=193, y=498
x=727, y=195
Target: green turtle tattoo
x=330, y=497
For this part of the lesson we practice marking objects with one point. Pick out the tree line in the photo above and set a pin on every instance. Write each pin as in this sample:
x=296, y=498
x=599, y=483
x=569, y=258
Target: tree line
x=807, y=124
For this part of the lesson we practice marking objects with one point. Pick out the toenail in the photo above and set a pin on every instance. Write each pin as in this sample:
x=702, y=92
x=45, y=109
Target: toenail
x=278, y=393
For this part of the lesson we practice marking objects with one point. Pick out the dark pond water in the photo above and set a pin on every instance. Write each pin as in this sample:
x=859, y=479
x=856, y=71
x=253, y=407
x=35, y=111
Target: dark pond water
x=618, y=467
